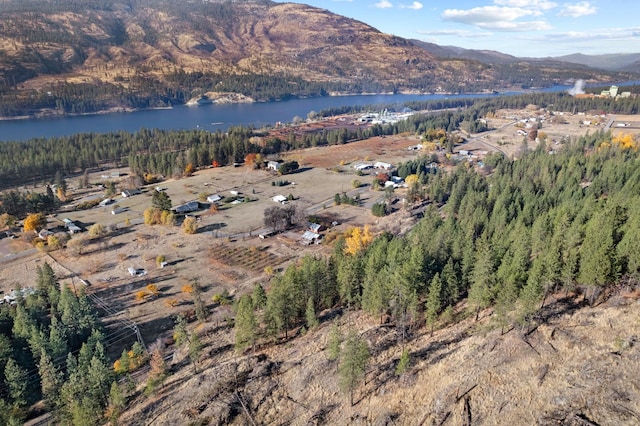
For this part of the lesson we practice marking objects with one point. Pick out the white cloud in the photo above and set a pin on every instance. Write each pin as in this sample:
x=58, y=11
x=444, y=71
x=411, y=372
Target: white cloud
x=454, y=33
x=383, y=4
x=529, y=4
x=496, y=18
x=415, y=6
x=595, y=34
x=578, y=9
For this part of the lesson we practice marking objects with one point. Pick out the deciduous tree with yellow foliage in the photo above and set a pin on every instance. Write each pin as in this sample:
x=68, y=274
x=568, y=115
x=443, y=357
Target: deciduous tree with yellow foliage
x=35, y=221
x=358, y=239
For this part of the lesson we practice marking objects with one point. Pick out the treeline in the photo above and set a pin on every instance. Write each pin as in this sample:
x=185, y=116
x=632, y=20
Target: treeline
x=168, y=152
x=52, y=348
x=541, y=224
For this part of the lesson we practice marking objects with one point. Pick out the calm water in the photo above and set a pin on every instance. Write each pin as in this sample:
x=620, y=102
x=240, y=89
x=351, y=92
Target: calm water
x=210, y=117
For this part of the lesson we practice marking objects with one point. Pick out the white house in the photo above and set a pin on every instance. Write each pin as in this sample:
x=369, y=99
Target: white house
x=382, y=165
x=273, y=165
x=362, y=166
x=213, y=198
x=279, y=199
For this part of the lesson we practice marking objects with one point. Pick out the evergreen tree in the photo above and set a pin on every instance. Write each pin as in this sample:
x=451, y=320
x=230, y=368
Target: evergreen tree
x=16, y=379
x=480, y=292
x=335, y=340
x=245, y=323
x=259, y=297
x=310, y=315
x=353, y=363
x=434, y=301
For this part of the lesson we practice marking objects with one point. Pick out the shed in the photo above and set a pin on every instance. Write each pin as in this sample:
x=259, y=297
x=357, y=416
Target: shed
x=279, y=198
x=213, y=198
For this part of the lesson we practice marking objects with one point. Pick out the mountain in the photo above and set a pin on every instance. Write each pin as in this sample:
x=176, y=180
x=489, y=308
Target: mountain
x=78, y=56
x=454, y=52
x=613, y=62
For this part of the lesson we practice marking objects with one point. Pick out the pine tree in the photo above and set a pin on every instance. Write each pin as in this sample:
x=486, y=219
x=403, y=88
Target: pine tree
x=335, y=340
x=403, y=363
x=117, y=403
x=310, y=315
x=434, y=301
x=353, y=363
x=16, y=380
x=482, y=280
x=195, y=351
x=259, y=297
x=245, y=323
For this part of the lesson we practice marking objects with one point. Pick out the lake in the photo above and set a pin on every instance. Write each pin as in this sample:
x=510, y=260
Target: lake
x=209, y=117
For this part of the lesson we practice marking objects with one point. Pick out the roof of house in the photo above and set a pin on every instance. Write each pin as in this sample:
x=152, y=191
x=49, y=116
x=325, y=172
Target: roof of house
x=309, y=236
x=187, y=207
x=315, y=227
x=213, y=198
x=279, y=198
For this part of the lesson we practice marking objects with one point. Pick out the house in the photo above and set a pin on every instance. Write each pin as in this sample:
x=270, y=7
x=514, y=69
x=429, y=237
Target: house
x=106, y=202
x=279, y=199
x=130, y=192
x=273, y=165
x=213, y=198
x=382, y=165
x=44, y=233
x=234, y=193
x=189, y=207
x=117, y=210
x=137, y=272
x=362, y=166
x=310, y=237
x=314, y=227
x=74, y=229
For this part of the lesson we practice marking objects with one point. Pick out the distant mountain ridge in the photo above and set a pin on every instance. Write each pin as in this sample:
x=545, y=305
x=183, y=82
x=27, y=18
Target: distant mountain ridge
x=626, y=62
x=612, y=62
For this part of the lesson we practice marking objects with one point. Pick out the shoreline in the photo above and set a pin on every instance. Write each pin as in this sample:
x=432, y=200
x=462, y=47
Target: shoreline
x=217, y=98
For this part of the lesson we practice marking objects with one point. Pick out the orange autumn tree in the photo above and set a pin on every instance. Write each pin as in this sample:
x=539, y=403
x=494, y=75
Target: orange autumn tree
x=35, y=221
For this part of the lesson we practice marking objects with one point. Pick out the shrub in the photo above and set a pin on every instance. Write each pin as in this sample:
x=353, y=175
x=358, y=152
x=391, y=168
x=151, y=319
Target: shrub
x=190, y=225
x=379, y=209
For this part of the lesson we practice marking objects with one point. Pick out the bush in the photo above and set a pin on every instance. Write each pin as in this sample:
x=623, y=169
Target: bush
x=379, y=209
x=190, y=225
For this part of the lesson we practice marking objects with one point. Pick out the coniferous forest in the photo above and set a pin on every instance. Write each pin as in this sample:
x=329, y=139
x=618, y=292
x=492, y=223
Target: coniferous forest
x=540, y=224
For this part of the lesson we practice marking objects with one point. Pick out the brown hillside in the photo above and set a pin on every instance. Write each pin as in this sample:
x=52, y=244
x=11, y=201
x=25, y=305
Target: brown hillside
x=85, y=41
x=578, y=367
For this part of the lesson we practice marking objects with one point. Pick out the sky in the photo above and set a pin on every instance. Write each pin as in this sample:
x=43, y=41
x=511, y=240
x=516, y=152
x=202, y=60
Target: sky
x=524, y=28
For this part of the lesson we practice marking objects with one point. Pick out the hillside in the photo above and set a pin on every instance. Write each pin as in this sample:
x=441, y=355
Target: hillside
x=84, y=56
x=578, y=368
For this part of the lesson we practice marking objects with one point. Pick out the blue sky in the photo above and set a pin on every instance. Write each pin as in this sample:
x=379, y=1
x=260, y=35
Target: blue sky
x=531, y=28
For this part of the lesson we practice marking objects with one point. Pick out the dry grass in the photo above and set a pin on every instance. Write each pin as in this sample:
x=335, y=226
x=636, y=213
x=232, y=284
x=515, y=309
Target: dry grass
x=579, y=365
